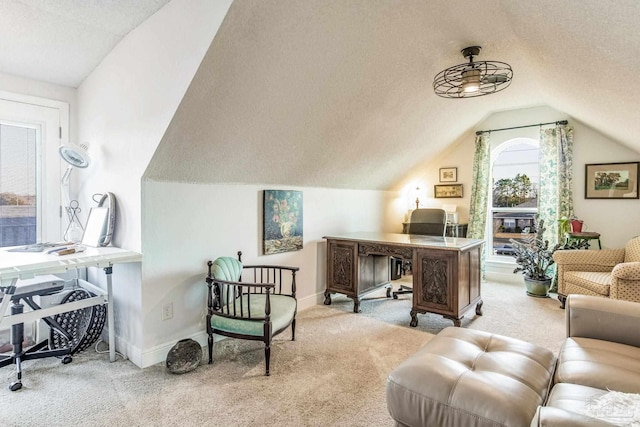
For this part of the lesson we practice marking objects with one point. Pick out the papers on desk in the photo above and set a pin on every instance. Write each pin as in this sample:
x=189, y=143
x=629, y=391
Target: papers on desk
x=66, y=250
x=39, y=247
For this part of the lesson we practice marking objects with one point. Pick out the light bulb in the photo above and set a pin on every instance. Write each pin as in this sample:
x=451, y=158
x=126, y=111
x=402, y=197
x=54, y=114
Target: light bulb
x=470, y=81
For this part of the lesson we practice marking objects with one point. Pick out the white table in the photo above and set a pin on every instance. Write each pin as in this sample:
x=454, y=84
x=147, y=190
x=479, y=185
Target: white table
x=27, y=265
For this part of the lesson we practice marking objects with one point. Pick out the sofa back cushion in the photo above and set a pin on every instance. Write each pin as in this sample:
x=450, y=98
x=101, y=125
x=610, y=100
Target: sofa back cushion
x=632, y=250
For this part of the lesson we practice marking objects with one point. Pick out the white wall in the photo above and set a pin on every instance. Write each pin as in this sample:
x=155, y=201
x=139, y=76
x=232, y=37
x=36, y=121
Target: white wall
x=24, y=86
x=128, y=101
x=124, y=108
x=184, y=225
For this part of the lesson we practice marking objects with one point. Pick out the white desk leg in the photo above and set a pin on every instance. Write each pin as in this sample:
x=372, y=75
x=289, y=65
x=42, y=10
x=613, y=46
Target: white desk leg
x=110, y=315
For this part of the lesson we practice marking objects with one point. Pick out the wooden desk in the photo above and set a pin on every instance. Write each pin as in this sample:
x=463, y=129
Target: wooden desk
x=446, y=273
x=27, y=265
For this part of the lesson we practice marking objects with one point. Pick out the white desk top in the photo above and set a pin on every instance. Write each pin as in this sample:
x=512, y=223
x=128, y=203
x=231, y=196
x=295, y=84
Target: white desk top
x=26, y=265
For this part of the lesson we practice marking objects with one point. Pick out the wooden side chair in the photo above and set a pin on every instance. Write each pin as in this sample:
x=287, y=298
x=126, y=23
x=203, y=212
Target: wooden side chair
x=256, y=309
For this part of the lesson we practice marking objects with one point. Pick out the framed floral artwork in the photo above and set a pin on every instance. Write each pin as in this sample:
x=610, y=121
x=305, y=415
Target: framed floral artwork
x=282, y=221
x=611, y=181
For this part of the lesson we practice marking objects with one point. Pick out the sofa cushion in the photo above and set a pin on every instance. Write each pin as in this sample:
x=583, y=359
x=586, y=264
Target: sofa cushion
x=601, y=364
x=596, y=282
x=573, y=397
x=465, y=377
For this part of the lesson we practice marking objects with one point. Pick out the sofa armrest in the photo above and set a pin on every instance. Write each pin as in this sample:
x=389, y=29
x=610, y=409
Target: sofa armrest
x=625, y=282
x=556, y=417
x=581, y=260
x=602, y=318
x=627, y=271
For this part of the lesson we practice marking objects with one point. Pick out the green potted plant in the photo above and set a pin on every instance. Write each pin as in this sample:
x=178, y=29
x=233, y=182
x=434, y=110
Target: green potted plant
x=534, y=257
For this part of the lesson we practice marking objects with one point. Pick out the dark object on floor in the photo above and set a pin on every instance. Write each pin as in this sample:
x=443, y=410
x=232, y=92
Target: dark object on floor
x=184, y=357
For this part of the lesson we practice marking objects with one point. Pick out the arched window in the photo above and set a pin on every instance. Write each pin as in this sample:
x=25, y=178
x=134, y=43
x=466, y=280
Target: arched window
x=513, y=195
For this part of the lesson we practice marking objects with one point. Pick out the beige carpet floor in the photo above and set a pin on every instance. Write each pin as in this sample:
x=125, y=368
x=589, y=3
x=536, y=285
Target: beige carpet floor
x=333, y=374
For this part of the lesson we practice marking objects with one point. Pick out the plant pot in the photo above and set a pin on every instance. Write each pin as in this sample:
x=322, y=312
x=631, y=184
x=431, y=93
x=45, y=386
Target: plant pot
x=537, y=288
x=576, y=226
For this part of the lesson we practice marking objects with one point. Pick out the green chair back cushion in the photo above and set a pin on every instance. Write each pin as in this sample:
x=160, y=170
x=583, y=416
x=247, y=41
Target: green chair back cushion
x=226, y=268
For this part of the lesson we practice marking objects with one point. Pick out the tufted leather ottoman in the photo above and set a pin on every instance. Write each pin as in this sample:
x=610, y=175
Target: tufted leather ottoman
x=465, y=377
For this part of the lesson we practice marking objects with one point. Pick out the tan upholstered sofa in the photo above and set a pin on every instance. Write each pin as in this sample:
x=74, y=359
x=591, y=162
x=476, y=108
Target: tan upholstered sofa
x=465, y=377
x=609, y=273
x=601, y=354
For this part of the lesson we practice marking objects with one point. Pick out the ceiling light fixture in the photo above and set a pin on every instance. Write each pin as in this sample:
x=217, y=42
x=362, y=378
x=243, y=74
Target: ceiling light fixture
x=472, y=78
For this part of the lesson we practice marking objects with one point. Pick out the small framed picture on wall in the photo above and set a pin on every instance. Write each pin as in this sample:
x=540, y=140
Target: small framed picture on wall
x=611, y=181
x=447, y=191
x=448, y=174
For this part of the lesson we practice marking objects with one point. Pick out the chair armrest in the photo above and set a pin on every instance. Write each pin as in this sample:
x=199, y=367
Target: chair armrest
x=581, y=260
x=625, y=282
x=627, y=271
x=556, y=417
x=602, y=318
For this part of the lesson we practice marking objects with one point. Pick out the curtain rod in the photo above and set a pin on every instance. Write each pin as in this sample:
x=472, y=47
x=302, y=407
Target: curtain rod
x=560, y=122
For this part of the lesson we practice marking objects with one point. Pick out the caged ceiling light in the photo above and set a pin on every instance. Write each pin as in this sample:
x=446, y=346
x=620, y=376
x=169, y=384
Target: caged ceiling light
x=472, y=78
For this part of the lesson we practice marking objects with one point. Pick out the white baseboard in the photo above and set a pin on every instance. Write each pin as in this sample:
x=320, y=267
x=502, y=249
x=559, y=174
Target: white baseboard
x=158, y=354
x=502, y=272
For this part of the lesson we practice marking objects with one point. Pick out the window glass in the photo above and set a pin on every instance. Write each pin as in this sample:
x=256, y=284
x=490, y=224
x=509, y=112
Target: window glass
x=18, y=201
x=514, y=194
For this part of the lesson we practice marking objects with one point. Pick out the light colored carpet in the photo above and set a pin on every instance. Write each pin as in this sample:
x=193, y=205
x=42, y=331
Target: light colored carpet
x=333, y=374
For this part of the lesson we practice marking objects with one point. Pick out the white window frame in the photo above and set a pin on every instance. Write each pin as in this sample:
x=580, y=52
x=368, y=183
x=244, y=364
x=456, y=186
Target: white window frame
x=52, y=118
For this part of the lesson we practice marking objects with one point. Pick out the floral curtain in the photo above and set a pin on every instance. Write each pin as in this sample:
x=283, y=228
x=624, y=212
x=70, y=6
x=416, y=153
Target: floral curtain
x=479, y=189
x=479, y=192
x=556, y=197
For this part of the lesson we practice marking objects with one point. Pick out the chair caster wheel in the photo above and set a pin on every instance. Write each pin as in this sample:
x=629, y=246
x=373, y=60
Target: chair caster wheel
x=67, y=359
x=15, y=386
x=395, y=296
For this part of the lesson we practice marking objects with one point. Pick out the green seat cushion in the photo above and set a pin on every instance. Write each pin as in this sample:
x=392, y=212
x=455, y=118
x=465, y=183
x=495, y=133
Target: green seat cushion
x=283, y=309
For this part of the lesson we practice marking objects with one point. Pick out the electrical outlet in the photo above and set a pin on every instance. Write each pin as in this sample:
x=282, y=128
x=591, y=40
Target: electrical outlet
x=167, y=311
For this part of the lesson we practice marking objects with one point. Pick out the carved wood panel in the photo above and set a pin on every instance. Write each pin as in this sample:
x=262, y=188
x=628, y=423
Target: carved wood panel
x=380, y=249
x=435, y=281
x=434, y=284
x=341, y=265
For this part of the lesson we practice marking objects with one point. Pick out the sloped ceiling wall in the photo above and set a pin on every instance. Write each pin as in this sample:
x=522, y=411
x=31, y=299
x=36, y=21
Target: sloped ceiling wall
x=338, y=93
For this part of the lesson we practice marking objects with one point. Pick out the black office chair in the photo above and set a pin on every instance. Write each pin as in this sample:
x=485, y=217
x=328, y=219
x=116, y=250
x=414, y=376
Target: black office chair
x=427, y=222
x=70, y=332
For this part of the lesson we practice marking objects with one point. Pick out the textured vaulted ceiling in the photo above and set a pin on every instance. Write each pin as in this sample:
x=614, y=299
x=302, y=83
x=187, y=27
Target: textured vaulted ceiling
x=62, y=41
x=335, y=93
x=338, y=93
